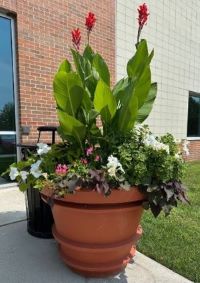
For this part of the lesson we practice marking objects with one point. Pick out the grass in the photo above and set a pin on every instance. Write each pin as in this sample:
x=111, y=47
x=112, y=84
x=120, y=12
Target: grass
x=174, y=241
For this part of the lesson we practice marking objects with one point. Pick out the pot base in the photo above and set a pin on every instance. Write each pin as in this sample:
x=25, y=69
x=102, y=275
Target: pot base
x=98, y=271
x=70, y=251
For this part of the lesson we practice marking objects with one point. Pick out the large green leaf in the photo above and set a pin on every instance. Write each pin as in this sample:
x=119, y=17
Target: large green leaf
x=139, y=88
x=137, y=64
x=88, y=53
x=79, y=64
x=71, y=126
x=142, y=86
x=104, y=101
x=65, y=66
x=86, y=102
x=84, y=68
x=120, y=86
x=101, y=67
x=145, y=110
x=126, y=115
x=68, y=92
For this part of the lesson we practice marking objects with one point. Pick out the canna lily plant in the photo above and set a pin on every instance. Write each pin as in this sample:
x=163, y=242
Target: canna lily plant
x=104, y=146
x=84, y=93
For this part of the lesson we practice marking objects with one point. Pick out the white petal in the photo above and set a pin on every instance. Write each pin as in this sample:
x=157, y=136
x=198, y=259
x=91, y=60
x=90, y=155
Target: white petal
x=13, y=173
x=24, y=175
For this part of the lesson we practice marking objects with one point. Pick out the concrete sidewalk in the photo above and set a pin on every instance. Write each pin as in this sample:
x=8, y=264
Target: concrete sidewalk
x=26, y=259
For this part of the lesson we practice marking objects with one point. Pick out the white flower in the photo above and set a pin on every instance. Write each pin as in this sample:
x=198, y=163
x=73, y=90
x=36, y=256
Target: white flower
x=138, y=127
x=35, y=171
x=13, y=173
x=125, y=186
x=101, y=130
x=114, y=162
x=185, y=147
x=114, y=166
x=150, y=140
x=45, y=175
x=24, y=175
x=156, y=145
x=177, y=156
x=42, y=148
x=112, y=171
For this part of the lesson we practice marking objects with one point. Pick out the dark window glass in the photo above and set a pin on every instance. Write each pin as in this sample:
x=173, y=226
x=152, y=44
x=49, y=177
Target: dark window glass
x=7, y=110
x=193, y=115
x=7, y=105
x=7, y=151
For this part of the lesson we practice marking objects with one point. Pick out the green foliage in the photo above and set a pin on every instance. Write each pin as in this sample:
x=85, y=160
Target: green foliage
x=127, y=113
x=155, y=166
x=65, y=66
x=104, y=102
x=82, y=95
x=68, y=92
x=71, y=127
x=146, y=108
x=101, y=68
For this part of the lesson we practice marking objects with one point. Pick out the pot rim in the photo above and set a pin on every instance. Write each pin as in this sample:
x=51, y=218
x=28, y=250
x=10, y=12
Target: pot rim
x=117, y=196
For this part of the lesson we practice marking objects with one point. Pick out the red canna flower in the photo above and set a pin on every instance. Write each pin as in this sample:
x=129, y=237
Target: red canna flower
x=143, y=15
x=142, y=18
x=76, y=38
x=90, y=21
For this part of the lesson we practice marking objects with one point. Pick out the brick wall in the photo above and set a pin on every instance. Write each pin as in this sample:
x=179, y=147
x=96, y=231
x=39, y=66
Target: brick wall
x=43, y=40
x=194, y=150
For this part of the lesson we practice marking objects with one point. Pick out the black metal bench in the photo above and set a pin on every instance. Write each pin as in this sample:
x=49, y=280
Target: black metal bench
x=26, y=149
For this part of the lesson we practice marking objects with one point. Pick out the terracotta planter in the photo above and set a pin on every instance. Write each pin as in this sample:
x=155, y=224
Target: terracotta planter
x=97, y=234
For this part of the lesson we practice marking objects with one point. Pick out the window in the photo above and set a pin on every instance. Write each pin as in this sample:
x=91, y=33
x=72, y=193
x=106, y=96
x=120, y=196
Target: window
x=7, y=94
x=193, y=129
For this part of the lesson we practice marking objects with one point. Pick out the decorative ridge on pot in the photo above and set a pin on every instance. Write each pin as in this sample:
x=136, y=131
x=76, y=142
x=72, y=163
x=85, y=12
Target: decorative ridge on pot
x=107, y=158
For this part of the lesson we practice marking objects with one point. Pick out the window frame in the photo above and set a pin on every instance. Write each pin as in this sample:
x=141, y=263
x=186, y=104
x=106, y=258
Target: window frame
x=15, y=82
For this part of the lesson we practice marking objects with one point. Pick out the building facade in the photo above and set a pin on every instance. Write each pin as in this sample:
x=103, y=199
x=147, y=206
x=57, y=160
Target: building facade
x=173, y=30
x=37, y=37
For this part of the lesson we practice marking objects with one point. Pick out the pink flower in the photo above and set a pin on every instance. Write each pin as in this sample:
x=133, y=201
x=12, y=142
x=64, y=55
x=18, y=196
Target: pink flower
x=61, y=169
x=89, y=150
x=97, y=158
x=84, y=161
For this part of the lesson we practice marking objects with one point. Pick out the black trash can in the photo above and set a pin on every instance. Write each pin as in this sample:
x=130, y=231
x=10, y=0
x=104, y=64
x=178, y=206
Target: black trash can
x=39, y=215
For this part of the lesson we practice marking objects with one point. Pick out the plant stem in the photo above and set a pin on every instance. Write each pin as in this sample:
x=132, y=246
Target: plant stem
x=138, y=35
x=88, y=37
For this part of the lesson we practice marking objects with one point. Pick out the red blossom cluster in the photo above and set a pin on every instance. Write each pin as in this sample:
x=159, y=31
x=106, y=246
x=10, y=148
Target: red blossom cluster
x=76, y=34
x=143, y=15
x=76, y=38
x=90, y=21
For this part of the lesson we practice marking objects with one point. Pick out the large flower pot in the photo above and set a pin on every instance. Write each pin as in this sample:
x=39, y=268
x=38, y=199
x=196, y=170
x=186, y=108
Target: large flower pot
x=97, y=234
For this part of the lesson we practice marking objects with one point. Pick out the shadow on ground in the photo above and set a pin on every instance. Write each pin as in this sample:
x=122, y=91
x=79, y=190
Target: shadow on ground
x=8, y=217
